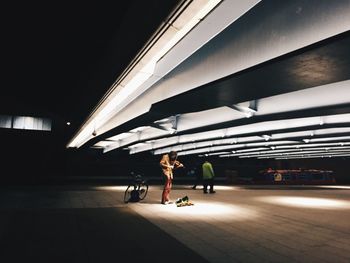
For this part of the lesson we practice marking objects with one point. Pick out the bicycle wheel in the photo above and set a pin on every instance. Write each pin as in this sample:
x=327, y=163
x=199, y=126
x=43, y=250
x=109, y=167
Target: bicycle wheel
x=127, y=193
x=143, y=190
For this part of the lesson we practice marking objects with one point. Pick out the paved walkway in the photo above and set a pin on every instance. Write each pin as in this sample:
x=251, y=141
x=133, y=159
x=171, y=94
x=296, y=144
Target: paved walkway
x=237, y=224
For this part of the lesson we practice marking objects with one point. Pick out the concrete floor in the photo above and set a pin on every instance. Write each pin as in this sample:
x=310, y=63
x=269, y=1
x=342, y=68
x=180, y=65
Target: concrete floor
x=237, y=224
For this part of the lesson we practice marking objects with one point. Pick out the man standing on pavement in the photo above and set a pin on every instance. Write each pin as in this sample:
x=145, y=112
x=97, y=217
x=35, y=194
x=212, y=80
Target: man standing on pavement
x=208, y=177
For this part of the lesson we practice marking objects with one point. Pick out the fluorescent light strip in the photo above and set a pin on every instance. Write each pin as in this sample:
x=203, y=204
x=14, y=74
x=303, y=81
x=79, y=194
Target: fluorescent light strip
x=120, y=136
x=290, y=150
x=316, y=132
x=329, y=139
x=217, y=153
x=310, y=145
x=296, y=156
x=204, y=150
x=104, y=143
x=294, y=153
x=276, y=152
x=289, y=153
x=139, y=144
x=269, y=126
x=285, y=151
x=311, y=156
x=246, y=151
x=226, y=147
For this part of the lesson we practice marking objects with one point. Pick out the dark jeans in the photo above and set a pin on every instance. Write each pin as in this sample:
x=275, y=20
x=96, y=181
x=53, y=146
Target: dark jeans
x=207, y=182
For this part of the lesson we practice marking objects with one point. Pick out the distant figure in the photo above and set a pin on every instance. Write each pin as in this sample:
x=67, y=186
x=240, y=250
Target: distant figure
x=198, y=175
x=168, y=163
x=208, y=177
x=277, y=177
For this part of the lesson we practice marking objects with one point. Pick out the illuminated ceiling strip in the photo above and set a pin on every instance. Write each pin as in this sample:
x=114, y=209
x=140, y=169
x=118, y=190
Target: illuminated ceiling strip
x=263, y=152
x=288, y=150
x=216, y=153
x=310, y=156
x=291, y=153
x=224, y=153
x=327, y=139
x=315, y=132
x=224, y=147
x=119, y=136
x=300, y=100
x=275, y=154
x=309, y=145
x=250, y=150
x=316, y=155
x=104, y=143
x=293, y=146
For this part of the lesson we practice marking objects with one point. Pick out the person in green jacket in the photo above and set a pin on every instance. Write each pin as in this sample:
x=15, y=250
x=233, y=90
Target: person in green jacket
x=208, y=177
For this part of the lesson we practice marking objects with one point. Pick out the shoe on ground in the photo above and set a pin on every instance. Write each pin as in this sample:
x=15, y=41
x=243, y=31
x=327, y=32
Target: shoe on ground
x=205, y=192
x=212, y=192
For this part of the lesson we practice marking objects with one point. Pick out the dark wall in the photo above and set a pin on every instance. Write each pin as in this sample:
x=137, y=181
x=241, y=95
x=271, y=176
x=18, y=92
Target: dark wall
x=248, y=168
x=28, y=154
x=339, y=166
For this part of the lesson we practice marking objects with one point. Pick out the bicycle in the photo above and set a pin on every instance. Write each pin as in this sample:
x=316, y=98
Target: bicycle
x=136, y=190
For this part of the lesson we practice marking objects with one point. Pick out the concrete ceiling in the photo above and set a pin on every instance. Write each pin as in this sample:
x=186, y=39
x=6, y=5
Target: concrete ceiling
x=272, y=84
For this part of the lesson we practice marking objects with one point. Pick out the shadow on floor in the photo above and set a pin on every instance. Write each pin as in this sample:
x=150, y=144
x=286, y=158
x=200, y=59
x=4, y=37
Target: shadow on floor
x=86, y=235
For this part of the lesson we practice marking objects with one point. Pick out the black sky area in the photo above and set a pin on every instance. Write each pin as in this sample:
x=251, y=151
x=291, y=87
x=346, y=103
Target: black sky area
x=59, y=58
